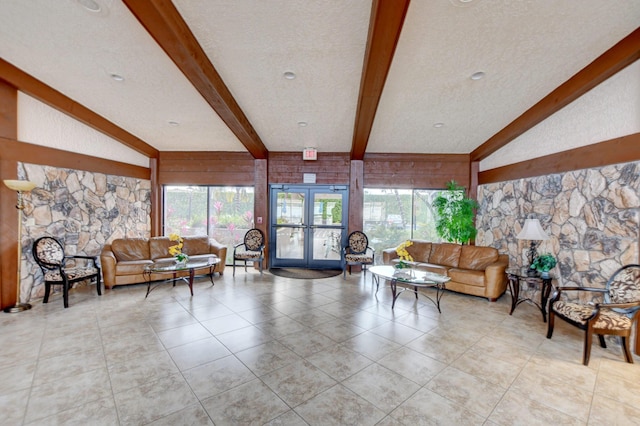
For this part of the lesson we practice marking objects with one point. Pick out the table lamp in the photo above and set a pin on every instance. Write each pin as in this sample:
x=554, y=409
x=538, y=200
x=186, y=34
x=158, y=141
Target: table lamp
x=532, y=231
x=20, y=186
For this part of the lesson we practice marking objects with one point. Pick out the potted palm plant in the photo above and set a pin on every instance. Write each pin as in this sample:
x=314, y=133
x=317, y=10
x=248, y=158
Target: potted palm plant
x=455, y=213
x=543, y=264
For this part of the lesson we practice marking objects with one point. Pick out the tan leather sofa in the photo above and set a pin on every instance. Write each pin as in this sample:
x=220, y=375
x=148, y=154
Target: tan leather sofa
x=123, y=260
x=474, y=270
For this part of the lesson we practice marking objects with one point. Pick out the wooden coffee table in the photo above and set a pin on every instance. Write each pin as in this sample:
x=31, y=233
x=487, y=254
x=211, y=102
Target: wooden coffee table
x=171, y=267
x=409, y=279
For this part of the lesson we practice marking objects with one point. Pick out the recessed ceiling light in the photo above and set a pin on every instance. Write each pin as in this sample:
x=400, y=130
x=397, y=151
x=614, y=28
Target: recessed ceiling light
x=116, y=77
x=438, y=125
x=90, y=5
x=174, y=123
x=477, y=75
x=289, y=75
x=302, y=123
x=461, y=3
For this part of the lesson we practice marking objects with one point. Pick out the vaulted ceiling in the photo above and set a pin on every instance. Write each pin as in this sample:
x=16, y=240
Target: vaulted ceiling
x=356, y=76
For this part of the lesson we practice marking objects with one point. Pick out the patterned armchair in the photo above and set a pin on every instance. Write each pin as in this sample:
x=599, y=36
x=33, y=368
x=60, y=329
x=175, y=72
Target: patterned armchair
x=60, y=269
x=357, y=252
x=614, y=316
x=252, y=249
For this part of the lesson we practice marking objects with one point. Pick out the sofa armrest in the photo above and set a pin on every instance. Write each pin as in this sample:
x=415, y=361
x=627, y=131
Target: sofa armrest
x=219, y=250
x=388, y=255
x=108, y=263
x=495, y=277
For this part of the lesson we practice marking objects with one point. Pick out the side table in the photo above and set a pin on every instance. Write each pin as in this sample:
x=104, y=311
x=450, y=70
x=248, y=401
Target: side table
x=517, y=276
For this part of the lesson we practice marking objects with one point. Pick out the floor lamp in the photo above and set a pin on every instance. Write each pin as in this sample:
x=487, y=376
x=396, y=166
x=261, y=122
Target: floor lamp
x=20, y=186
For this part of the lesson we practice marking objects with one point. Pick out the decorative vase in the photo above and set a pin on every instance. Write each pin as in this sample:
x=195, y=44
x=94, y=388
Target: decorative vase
x=544, y=274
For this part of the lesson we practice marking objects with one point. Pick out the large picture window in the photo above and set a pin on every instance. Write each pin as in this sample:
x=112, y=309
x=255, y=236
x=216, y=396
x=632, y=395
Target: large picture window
x=222, y=212
x=391, y=216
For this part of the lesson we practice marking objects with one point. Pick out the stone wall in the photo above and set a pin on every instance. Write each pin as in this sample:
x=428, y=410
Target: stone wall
x=591, y=216
x=83, y=210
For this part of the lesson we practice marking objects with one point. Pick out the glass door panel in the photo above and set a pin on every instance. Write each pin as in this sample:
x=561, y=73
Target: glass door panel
x=306, y=227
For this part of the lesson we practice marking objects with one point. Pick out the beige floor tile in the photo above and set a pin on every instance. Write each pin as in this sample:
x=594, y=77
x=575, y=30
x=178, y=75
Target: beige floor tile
x=297, y=382
x=413, y=365
x=96, y=413
x=198, y=353
x=371, y=345
x=243, y=338
x=382, y=387
x=217, y=376
x=338, y=330
x=280, y=327
x=306, y=342
x=488, y=368
x=290, y=418
x=517, y=409
x=609, y=411
x=65, y=394
x=265, y=358
x=428, y=408
x=339, y=362
x=476, y=395
x=193, y=415
x=18, y=377
x=225, y=324
x=130, y=347
x=140, y=370
x=339, y=406
x=154, y=400
x=182, y=335
x=14, y=406
x=250, y=403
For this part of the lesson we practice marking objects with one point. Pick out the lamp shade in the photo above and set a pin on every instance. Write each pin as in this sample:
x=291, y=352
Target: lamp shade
x=532, y=230
x=19, y=185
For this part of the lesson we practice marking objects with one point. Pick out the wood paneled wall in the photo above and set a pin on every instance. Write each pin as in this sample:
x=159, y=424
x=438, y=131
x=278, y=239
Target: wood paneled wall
x=289, y=167
x=424, y=171
x=205, y=168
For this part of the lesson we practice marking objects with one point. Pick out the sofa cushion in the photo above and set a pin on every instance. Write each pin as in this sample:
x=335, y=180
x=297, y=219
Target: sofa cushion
x=127, y=249
x=419, y=250
x=131, y=267
x=196, y=245
x=445, y=254
x=467, y=276
x=477, y=258
x=159, y=247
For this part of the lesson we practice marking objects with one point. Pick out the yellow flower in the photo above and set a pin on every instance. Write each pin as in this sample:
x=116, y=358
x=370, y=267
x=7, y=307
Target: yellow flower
x=402, y=252
x=176, y=250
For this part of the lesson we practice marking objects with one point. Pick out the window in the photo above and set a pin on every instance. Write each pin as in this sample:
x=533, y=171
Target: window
x=222, y=212
x=391, y=216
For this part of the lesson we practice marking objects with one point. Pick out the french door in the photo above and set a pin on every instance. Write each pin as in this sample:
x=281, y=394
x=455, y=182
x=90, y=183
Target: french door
x=308, y=225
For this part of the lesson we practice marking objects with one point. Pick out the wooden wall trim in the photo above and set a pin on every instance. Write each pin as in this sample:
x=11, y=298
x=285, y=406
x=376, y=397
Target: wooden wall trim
x=165, y=24
x=385, y=25
x=624, y=53
x=37, y=89
x=619, y=150
x=8, y=110
x=36, y=154
x=289, y=167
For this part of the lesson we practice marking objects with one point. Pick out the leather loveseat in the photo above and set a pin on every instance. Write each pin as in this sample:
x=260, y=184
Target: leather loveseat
x=474, y=270
x=123, y=260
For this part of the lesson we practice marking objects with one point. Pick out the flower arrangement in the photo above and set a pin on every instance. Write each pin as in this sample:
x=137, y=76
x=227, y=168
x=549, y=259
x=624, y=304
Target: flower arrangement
x=176, y=250
x=404, y=255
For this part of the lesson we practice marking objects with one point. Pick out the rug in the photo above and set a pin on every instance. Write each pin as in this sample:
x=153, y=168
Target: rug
x=305, y=274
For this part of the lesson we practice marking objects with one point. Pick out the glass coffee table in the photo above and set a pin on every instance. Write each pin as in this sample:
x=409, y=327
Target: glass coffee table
x=409, y=279
x=171, y=267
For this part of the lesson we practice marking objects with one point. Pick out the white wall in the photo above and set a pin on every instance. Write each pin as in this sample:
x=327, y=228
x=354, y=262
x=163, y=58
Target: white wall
x=40, y=124
x=608, y=111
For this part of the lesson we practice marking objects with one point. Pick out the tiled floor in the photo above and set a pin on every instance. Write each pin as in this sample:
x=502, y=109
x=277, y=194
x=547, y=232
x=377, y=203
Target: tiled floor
x=270, y=350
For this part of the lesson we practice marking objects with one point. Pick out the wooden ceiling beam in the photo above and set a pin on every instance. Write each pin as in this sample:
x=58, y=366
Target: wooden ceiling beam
x=623, y=54
x=164, y=23
x=385, y=25
x=46, y=94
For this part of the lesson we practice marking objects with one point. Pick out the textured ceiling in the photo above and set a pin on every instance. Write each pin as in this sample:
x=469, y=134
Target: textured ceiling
x=526, y=49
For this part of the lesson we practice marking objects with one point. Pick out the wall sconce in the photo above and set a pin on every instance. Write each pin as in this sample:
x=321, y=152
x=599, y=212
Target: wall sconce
x=532, y=231
x=20, y=186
